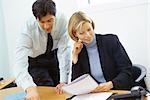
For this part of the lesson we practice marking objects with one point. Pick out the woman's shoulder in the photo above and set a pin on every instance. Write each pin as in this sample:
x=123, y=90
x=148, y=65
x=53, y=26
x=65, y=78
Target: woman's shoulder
x=108, y=36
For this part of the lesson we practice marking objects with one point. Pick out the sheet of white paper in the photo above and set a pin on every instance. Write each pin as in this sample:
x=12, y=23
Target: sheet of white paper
x=93, y=96
x=81, y=85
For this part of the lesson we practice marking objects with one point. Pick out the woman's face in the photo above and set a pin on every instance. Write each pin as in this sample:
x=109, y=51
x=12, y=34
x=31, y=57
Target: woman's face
x=86, y=33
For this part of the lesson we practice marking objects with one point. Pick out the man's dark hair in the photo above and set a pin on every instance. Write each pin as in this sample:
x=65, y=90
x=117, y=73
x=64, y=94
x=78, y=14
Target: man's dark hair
x=41, y=8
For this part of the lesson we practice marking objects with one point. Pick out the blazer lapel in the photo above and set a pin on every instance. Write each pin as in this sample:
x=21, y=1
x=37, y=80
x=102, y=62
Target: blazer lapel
x=85, y=60
x=100, y=47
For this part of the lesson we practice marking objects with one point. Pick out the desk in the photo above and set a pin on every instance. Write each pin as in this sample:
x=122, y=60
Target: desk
x=6, y=82
x=46, y=93
x=119, y=91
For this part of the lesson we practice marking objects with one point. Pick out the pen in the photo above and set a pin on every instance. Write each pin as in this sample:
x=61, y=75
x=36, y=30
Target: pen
x=71, y=97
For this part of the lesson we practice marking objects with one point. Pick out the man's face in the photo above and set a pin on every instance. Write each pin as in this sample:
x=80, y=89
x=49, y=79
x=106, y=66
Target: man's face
x=47, y=22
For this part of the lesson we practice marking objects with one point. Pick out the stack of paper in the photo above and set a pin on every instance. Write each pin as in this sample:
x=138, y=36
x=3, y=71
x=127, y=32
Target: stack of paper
x=93, y=96
x=82, y=88
x=82, y=85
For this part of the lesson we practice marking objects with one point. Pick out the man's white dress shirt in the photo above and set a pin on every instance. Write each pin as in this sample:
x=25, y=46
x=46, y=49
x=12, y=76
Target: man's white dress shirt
x=33, y=42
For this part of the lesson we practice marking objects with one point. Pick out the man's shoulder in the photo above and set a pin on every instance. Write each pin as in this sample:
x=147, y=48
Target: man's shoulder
x=60, y=14
x=61, y=23
x=61, y=18
x=31, y=22
x=30, y=26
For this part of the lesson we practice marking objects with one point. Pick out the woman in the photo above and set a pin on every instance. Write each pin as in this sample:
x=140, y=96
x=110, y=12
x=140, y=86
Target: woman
x=102, y=56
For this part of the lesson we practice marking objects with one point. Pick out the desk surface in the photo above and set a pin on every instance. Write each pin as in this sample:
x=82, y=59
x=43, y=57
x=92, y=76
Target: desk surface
x=46, y=93
x=6, y=81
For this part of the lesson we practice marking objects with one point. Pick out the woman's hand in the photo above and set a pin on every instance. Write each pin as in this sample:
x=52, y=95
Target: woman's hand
x=58, y=88
x=32, y=93
x=104, y=87
x=76, y=50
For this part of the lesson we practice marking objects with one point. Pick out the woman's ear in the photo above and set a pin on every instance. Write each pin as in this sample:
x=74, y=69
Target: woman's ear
x=74, y=33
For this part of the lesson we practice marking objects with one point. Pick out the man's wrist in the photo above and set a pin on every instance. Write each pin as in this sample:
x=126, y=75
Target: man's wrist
x=63, y=82
x=32, y=88
x=111, y=84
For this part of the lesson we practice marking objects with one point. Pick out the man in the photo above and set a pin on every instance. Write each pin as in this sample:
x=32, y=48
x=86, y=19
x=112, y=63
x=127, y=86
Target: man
x=42, y=50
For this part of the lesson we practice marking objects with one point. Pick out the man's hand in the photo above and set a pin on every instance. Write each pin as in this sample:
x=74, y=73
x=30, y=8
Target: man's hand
x=104, y=87
x=32, y=93
x=58, y=88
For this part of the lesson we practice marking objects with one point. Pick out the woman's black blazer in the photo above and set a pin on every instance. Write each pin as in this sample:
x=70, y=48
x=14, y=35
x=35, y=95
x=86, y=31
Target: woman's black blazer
x=115, y=63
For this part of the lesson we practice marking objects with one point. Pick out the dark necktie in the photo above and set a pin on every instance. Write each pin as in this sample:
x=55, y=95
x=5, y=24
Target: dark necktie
x=49, y=43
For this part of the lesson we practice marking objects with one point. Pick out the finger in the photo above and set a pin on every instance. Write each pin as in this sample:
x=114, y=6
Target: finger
x=99, y=88
x=57, y=90
x=77, y=48
x=80, y=41
x=78, y=45
x=104, y=88
x=60, y=92
x=94, y=91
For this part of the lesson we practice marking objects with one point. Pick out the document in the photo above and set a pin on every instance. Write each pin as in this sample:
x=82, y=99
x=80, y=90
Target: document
x=82, y=85
x=93, y=96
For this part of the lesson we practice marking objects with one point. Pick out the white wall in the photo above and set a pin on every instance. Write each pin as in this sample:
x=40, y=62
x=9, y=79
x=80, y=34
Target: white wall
x=66, y=6
x=148, y=45
x=13, y=20
x=129, y=23
x=129, y=20
x=148, y=32
x=4, y=62
x=15, y=13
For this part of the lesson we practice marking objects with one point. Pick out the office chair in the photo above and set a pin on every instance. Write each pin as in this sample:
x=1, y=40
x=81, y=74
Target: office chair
x=139, y=73
x=138, y=90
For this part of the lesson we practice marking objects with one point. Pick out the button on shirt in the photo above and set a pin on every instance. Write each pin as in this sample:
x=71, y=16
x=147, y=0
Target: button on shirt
x=32, y=42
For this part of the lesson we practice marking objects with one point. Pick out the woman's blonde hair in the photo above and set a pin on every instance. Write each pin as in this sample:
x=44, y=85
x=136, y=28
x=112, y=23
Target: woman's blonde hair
x=75, y=23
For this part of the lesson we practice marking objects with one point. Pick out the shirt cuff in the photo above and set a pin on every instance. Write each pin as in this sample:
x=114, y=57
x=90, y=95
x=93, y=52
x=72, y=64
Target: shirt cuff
x=64, y=78
x=25, y=83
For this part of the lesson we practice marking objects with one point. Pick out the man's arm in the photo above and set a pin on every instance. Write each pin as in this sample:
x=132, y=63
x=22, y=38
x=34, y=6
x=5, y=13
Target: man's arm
x=64, y=58
x=64, y=47
x=64, y=51
x=23, y=48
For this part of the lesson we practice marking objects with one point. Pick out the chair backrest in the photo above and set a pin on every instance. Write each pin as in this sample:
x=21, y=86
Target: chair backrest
x=139, y=73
